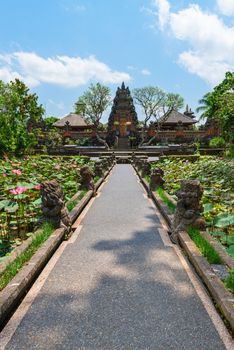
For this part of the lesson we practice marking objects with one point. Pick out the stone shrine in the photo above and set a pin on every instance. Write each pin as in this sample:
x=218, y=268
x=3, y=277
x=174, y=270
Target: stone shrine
x=123, y=117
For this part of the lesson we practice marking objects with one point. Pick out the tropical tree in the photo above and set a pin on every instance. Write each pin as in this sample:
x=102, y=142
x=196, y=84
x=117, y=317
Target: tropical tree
x=49, y=122
x=218, y=105
x=156, y=104
x=92, y=104
x=149, y=98
x=18, y=110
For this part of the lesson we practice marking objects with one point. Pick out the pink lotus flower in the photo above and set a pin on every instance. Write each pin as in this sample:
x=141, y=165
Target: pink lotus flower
x=37, y=187
x=17, y=171
x=18, y=190
x=4, y=174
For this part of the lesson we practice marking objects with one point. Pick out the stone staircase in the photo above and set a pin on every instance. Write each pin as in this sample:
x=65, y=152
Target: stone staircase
x=123, y=143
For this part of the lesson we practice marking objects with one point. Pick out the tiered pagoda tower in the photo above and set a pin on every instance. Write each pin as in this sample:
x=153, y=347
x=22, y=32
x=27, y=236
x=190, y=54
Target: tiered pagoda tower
x=123, y=117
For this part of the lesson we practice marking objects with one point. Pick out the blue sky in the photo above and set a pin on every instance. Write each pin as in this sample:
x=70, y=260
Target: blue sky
x=58, y=47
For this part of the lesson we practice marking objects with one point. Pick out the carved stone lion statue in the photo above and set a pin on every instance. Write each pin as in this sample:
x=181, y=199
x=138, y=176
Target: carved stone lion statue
x=188, y=210
x=53, y=207
x=145, y=168
x=98, y=170
x=86, y=178
x=156, y=179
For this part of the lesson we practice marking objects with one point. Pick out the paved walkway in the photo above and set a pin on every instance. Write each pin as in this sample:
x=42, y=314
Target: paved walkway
x=117, y=286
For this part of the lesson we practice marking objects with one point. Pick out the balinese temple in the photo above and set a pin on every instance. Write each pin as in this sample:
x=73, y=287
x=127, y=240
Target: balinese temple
x=123, y=117
x=177, y=120
x=73, y=121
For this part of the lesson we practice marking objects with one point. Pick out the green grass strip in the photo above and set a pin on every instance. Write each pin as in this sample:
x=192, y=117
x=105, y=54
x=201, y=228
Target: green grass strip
x=147, y=178
x=229, y=282
x=171, y=206
x=12, y=269
x=96, y=179
x=72, y=204
x=205, y=248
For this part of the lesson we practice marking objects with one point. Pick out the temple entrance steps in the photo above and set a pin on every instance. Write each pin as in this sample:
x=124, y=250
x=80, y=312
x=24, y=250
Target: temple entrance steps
x=123, y=143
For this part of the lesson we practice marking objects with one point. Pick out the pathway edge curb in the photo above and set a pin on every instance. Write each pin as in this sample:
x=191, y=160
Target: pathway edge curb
x=221, y=295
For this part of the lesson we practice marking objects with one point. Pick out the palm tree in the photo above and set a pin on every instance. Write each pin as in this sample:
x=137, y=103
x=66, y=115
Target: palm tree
x=206, y=106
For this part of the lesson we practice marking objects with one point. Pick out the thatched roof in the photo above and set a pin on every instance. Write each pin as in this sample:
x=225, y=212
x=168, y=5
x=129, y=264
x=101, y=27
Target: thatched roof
x=75, y=120
x=175, y=117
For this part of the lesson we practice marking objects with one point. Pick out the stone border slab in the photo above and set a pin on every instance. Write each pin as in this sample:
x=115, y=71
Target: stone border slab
x=223, y=298
x=12, y=293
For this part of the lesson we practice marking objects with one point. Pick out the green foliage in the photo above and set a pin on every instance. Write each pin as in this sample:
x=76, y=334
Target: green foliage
x=156, y=103
x=230, y=250
x=49, y=122
x=230, y=152
x=20, y=179
x=217, y=178
x=219, y=104
x=18, y=109
x=223, y=220
x=149, y=98
x=84, y=141
x=217, y=142
x=205, y=248
x=229, y=282
x=93, y=103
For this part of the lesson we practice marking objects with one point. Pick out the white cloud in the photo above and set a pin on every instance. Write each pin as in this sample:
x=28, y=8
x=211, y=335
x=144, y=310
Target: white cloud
x=145, y=71
x=60, y=70
x=212, y=72
x=226, y=7
x=211, y=51
x=7, y=74
x=163, y=13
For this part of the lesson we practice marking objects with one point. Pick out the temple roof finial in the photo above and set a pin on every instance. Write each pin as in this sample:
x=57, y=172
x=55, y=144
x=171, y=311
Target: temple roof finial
x=123, y=86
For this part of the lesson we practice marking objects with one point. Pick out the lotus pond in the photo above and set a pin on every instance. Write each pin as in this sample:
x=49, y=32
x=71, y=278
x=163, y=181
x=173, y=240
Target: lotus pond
x=217, y=178
x=20, y=203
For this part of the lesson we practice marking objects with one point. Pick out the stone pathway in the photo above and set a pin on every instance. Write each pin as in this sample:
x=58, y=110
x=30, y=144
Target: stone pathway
x=117, y=286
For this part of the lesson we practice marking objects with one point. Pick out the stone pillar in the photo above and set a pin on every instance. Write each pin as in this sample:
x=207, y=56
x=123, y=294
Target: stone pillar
x=98, y=169
x=53, y=206
x=86, y=178
x=188, y=209
x=133, y=158
x=109, y=161
x=156, y=179
x=140, y=164
x=113, y=158
x=145, y=169
x=104, y=163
